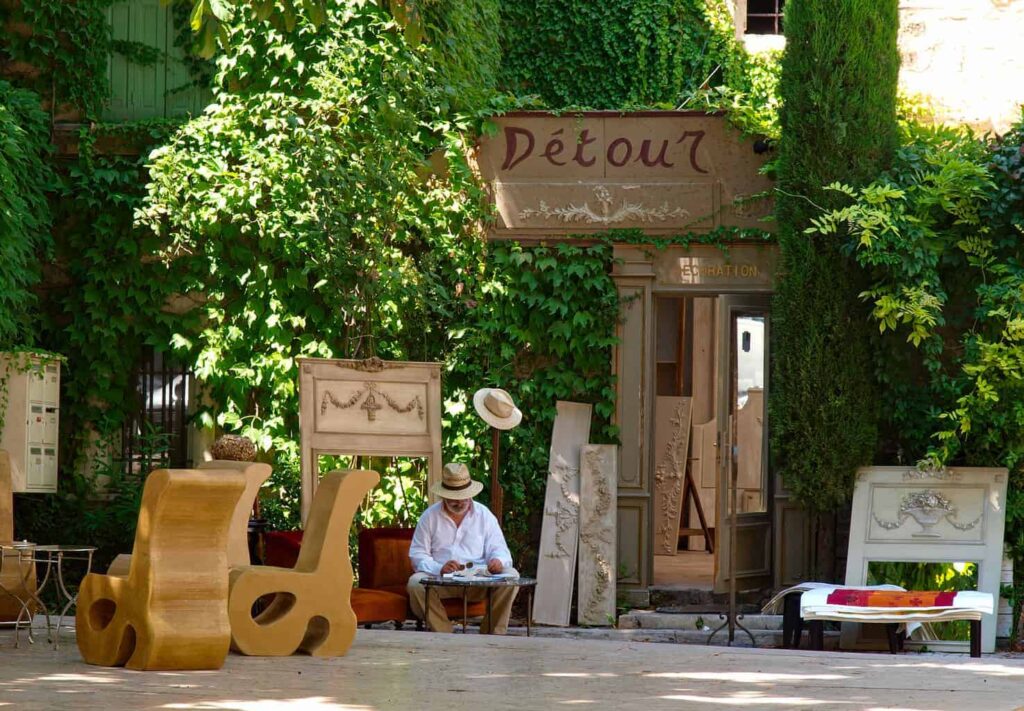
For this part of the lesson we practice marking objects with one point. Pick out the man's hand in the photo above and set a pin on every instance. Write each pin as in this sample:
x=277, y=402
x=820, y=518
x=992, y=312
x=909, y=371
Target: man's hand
x=450, y=567
x=494, y=566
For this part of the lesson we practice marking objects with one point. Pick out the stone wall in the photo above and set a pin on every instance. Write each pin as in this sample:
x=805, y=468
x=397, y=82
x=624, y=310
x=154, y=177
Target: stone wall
x=966, y=56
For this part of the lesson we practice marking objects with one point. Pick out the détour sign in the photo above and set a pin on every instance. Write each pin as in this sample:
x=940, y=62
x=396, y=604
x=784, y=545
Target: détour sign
x=520, y=143
x=664, y=172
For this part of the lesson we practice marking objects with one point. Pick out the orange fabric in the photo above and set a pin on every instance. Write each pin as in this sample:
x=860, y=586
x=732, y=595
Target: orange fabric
x=378, y=606
x=384, y=571
x=891, y=598
x=384, y=557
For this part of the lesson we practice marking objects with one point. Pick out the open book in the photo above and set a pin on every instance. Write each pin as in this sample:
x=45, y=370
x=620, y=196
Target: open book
x=476, y=571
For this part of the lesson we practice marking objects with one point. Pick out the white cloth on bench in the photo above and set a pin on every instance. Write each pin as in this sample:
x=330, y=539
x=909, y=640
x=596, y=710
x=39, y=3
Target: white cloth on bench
x=967, y=605
x=776, y=605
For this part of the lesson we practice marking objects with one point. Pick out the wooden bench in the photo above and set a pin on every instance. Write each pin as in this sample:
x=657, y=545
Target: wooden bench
x=793, y=621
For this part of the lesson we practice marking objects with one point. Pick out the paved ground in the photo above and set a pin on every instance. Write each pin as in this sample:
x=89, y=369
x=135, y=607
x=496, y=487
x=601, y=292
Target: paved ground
x=420, y=670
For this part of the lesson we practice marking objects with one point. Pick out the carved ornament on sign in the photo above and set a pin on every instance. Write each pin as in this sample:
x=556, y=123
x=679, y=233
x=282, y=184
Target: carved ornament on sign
x=636, y=212
x=927, y=508
x=371, y=391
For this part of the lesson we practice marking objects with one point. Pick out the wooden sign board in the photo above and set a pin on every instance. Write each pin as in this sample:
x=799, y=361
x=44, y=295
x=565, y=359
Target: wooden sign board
x=664, y=172
x=368, y=407
x=952, y=515
x=559, y=536
x=598, y=506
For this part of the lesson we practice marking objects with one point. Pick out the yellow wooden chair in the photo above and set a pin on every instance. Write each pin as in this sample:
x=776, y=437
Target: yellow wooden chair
x=311, y=610
x=169, y=611
x=238, y=534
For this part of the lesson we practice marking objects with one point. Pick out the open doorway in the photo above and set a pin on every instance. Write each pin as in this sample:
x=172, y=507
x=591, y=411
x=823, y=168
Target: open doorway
x=710, y=363
x=684, y=427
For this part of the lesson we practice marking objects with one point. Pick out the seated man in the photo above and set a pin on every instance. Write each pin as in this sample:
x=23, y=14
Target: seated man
x=450, y=534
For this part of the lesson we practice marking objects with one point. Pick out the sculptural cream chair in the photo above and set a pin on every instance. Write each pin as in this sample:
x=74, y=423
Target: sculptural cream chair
x=312, y=609
x=170, y=610
x=238, y=533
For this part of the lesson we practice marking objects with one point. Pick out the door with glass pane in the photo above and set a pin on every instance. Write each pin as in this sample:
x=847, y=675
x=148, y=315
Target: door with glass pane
x=742, y=439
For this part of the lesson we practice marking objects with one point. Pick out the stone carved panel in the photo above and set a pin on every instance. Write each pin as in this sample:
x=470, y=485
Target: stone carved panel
x=369, y=407
x=951, y=513
x=556, y=564
x=671, y=447
x=596, y=596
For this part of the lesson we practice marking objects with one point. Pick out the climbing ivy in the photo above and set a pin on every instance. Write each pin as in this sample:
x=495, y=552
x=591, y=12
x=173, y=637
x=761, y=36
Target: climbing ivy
x=25, y=180
x=616, y=54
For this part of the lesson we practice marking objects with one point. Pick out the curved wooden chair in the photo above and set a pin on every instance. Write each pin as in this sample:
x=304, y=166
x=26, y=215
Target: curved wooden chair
x=311, y=610
x=238, y=534
x=169, y=611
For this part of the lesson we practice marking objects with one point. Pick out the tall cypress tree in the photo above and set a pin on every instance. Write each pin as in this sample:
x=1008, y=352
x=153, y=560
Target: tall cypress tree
x=838, y=87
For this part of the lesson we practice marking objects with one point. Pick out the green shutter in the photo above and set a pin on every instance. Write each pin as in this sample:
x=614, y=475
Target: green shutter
x=137, y=91
x=188, y=101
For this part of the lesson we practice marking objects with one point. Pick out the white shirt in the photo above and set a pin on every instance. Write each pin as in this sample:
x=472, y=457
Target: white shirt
x=438, y=540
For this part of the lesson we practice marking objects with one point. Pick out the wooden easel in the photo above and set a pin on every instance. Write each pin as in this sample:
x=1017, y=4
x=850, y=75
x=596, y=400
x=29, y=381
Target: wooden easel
x=690, y=491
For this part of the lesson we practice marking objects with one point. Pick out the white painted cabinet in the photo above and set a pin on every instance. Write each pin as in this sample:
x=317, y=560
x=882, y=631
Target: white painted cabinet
x=30, y=404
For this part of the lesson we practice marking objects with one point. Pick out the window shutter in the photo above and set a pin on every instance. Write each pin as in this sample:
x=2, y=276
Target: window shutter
x=137, y=91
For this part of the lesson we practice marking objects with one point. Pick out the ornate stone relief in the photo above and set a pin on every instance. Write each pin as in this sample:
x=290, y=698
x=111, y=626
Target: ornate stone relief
x=566, y=512
x=927, y=508
x=597, y=535
x=625, y=212
x=371, y=391
x=937, y=474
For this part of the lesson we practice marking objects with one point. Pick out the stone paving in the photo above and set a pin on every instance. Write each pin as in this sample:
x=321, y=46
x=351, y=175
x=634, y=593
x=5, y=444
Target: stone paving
x=420, y=670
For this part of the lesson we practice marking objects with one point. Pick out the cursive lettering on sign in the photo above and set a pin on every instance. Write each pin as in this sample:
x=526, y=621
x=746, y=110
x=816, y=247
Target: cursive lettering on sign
x=521, y=143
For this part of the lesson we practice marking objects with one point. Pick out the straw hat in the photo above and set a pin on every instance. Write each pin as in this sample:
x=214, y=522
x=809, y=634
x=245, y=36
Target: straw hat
x=456, y=483
x=496, y=407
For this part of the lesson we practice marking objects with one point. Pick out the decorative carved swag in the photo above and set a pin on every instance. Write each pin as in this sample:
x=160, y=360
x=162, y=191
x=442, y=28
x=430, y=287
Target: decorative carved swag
x=371, y=391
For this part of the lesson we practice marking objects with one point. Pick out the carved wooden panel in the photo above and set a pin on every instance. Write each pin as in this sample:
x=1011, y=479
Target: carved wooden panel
x=371, y=407
x=596, y=597
x=671, y=448
x=368, y=407
x=904, y=514
x=556, y=565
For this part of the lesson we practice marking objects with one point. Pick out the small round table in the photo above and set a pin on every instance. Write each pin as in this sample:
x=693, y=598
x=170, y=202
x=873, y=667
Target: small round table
x=489, y=584
x=53, y=556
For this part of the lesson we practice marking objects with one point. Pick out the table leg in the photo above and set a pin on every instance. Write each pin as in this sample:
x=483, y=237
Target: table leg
x=490, y=616
x=33, y=597
x=72, y=600
x=465, y=609
x=529, y=608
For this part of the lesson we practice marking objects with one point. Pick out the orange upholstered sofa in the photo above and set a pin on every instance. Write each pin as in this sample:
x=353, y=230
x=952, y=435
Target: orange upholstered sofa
x=384, y=570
